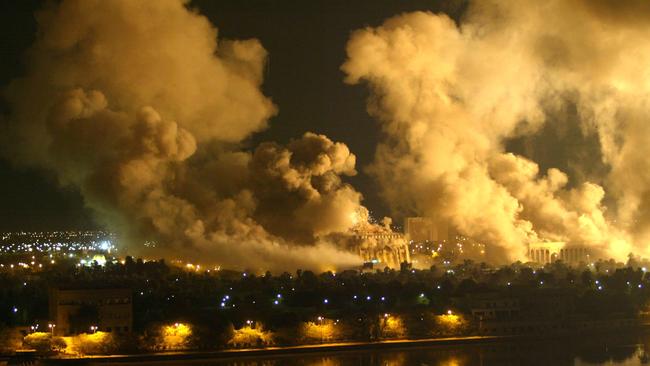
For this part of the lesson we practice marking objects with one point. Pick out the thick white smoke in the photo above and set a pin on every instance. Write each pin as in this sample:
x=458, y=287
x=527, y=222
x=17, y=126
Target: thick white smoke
x=449, y=96
x=138, y=105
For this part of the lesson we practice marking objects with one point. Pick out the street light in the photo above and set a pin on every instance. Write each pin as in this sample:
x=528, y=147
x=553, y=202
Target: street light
x=320, y=325
x=51, y=326
x=93, y=328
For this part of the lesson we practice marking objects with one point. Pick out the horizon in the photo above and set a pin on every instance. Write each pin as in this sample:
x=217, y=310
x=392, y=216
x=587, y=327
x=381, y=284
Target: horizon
x=268, y=132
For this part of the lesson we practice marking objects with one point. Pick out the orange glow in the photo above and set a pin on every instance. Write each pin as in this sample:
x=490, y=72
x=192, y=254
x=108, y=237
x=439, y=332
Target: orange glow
x=320, y=330
x=90, y=344
x=176, y=336
x=392, y=326
x=251, y=337
x=450, y=323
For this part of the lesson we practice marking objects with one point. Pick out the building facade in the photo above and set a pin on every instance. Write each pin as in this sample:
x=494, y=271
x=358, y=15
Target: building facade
x=426, y=229
x=549, y=252
x=75, y=311
x=384, y=249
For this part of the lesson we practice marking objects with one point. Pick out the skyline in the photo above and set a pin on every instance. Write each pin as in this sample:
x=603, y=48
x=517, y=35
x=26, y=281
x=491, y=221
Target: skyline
x=31, y=196
x=267, y=132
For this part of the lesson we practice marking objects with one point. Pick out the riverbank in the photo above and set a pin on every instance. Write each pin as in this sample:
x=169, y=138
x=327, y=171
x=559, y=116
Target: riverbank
x=287, y=351
x=276, y=351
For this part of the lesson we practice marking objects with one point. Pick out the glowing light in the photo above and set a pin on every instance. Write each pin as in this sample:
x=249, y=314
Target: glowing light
x=391, y=326
x=322, y=330
x=100, y=259
x=176, y=336
x=248, y=336
x=449, y=323
x=105, y=245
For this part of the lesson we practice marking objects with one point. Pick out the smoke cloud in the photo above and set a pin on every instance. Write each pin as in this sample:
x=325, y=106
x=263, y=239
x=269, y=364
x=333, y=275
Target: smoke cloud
x=142, y=107
x=139, y=106
x=449, y=98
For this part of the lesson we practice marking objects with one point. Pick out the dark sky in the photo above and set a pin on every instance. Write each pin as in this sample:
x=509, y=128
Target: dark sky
x=306, y=44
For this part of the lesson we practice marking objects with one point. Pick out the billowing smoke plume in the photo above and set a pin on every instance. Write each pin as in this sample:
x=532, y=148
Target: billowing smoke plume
x=450, y=96
x=138, y=105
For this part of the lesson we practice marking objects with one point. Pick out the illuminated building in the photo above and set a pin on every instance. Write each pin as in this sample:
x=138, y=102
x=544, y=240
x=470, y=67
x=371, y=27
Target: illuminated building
x=382, y=248
x=75, y=310
x=549, y=252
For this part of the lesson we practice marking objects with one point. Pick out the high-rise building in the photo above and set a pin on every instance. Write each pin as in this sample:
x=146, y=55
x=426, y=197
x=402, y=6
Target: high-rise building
x=421, y=229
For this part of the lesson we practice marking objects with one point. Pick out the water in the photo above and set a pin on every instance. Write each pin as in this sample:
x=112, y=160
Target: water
x=584, y=350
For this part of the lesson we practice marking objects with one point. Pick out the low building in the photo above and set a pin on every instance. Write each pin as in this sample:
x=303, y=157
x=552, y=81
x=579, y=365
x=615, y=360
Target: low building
x=495, y=307
x=76, y=310
x=524, y=311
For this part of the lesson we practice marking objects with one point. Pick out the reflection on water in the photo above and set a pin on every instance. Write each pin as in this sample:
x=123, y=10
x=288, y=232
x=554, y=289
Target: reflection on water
x=616, y=349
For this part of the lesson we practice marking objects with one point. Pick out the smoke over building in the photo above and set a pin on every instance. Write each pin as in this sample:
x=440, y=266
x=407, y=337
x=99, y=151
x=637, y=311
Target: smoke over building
x=383, y=249
x=450, y=97
x=148, y=113
x=421, y=229
x=549, y=252
x=374, y=243
x=143, y=109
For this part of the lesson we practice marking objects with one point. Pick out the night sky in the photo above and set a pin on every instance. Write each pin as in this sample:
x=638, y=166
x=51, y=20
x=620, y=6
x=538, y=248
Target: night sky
x=306, y=45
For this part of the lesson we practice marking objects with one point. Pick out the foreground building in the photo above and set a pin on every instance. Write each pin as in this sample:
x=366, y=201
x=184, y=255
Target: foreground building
x=76, y=311
x=530, y=311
